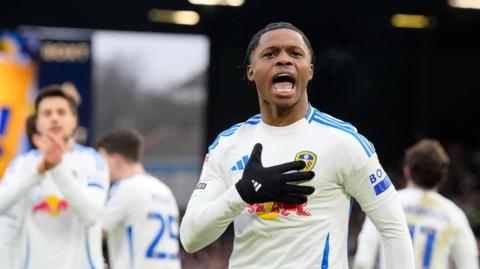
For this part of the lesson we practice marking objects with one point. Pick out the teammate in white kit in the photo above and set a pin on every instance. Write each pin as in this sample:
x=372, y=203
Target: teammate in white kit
x=306, y=154
x=52, y=198
x=9, y=243
x=439, y=229
x=141, y=216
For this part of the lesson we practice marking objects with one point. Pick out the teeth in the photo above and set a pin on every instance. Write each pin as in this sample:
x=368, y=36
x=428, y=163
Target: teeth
x=283, y=87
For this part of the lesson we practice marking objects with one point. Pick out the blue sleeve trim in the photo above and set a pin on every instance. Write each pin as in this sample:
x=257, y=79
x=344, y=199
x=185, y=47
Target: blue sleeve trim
x=99, y=161
x=95, y=185
x=382, y=185
x=87, y=248
x=230, y=131
x=326, y=251
x=130, y=244
x=346, y=127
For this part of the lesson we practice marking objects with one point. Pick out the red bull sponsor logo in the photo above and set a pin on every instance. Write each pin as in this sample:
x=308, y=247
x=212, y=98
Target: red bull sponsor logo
x=272, y=210
x=52, y=205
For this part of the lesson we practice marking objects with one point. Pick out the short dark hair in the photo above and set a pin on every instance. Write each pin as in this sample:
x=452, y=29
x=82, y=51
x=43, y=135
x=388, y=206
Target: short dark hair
x=31, y=129
x=56, y=91
x=270, y=27
x=428, y=163
x=126, y=142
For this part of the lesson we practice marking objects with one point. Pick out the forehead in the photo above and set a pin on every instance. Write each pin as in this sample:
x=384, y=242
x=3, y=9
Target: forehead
x=52, y=102
x=281, y=38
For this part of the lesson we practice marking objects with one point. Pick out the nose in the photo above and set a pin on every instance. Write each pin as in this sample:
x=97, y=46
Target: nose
x=54, y=117
x=284, y=59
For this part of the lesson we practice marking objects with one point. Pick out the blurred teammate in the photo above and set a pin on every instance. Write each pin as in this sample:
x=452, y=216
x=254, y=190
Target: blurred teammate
x=9, y=243
x=439, y=229
x=31, y=130
x=56, y=193
x=141, y=217
x=298, y=153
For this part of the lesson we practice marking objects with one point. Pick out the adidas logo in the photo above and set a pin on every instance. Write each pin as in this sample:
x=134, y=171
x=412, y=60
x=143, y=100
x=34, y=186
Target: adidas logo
x=240, y=164
x=256, y=185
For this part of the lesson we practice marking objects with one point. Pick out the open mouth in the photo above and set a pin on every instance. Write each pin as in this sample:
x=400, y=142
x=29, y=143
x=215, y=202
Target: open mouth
x=56, y=129
x=283, y=83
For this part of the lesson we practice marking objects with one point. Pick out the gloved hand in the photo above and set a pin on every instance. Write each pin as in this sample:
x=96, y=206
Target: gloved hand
x=273, y=184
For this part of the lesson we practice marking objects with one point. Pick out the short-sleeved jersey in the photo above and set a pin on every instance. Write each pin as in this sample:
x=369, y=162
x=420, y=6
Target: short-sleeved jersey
x=141, y=220
x=57, y=215
x=310, y=235
x=439, y=230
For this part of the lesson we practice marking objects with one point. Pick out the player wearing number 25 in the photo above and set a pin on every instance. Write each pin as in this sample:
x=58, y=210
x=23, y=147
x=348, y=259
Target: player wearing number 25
x=439, y=229
x=141, y=216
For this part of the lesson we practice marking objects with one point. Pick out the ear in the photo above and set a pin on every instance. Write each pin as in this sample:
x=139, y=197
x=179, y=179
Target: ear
x=250, y=73
x=118, y=159
x=310, y=72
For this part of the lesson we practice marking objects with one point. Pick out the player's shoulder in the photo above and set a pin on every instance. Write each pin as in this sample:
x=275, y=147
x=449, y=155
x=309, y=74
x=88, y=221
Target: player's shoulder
x=442, y=204
x=144, y=182
x=341, y=132
x=450, y=207
x=28, y=155
x=90, y=155
x=143, y=186
x=23, y=159
x=234, y=133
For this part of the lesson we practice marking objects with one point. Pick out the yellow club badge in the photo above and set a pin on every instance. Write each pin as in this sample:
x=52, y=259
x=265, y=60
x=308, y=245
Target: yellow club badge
x=308, y=157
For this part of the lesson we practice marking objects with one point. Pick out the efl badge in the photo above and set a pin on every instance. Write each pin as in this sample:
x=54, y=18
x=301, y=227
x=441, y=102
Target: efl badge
x=308, y=157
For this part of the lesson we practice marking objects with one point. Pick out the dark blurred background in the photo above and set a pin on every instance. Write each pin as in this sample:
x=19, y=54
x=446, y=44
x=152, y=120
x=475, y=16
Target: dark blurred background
x=394, y=84
x=397, y=79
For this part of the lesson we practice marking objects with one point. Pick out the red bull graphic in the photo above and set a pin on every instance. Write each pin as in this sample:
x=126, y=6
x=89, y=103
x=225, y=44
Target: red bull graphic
x=52, y=205
x=272, y=210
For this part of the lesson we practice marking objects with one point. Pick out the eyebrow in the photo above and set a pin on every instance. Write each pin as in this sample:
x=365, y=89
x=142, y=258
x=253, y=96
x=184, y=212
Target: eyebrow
x=277, y=48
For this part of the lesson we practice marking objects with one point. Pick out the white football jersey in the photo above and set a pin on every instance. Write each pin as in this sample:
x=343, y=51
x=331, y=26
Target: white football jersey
x=56, y=215
x=279, y=235
x=141, y=220
x=439, y=230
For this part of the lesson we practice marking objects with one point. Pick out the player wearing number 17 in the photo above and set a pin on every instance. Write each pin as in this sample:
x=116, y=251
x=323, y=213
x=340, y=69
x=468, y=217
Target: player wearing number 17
x=286, y=177
x=141, y=216
x=439, y=229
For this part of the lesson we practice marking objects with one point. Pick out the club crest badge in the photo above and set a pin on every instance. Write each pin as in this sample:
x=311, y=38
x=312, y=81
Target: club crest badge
x=308, y=157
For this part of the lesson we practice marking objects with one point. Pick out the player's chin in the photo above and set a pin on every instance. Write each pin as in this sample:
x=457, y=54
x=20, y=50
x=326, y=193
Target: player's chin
x=284, y=101
x=284, y=104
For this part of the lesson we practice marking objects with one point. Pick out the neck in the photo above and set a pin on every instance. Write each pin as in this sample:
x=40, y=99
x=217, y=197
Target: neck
x=282, y=116
x=69, y=143
x=131, y=170
x=411, y=184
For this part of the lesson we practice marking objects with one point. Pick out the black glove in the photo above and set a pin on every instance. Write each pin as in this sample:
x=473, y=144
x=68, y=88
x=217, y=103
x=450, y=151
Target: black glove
x=273, y=184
